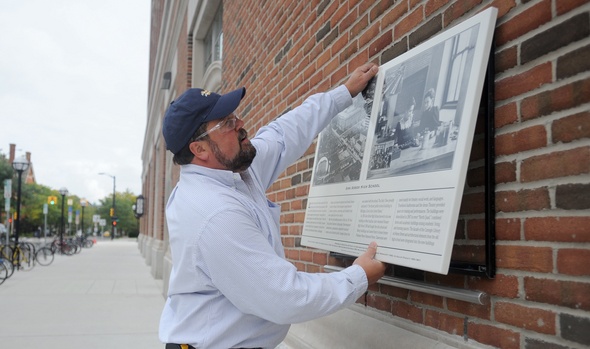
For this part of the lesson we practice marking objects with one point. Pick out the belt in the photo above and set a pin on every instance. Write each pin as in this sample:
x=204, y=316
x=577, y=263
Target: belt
x=187, y=346
x=179, y=346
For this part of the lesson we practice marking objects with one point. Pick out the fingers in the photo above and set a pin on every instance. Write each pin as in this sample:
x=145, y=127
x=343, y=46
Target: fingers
x=360, y=77
x=372, y=250
x=374, y=70
x=373, y=268
x=368, y=67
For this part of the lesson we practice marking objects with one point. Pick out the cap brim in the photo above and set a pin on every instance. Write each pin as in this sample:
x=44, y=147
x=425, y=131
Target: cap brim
x=226, y=104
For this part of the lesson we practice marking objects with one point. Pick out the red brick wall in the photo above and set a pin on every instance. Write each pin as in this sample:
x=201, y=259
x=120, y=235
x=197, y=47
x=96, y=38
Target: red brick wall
x=284, y=50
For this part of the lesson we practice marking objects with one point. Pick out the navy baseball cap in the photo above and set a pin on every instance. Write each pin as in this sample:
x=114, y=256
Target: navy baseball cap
x=194, y=108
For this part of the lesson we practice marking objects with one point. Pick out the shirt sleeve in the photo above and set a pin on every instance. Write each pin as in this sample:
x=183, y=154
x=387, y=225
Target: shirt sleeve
x=247, y=271
x=287, y=138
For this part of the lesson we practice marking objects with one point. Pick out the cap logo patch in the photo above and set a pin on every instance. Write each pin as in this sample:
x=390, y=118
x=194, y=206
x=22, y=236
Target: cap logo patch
x=205, y=93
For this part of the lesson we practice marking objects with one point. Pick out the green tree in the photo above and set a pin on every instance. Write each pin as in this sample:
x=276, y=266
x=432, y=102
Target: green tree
x=33, y=196
x=75, y=225
x=6, y=171
x=127, y=224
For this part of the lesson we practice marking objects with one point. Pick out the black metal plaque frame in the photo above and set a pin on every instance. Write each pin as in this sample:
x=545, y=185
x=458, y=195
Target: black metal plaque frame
x=487, y=107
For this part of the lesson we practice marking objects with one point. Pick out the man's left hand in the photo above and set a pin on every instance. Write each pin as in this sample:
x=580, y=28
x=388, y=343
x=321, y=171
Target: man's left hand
x=360, y=77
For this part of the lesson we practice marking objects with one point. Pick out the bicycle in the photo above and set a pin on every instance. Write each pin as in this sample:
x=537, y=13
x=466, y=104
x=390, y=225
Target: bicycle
x=6, y=257
x=6, y=270
x=63, y=247
x=76, y=245
x=44, y=256
x=23, y=256
x=85, y=242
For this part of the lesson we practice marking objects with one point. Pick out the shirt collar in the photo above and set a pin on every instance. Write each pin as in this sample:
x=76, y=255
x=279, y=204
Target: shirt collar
x=225, y=177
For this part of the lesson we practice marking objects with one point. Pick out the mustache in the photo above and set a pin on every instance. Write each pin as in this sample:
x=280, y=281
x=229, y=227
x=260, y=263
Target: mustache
x=242, y=134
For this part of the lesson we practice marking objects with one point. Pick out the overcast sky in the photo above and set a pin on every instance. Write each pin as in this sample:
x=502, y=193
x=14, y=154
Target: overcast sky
x=73, y=90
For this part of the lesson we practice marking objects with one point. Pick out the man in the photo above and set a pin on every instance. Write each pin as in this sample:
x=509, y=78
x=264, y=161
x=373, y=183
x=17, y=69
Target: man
x=430, y=119
x=230, y=285
x=404, y=129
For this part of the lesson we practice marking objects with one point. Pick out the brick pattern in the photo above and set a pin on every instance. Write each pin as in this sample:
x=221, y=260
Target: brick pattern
x=283, y=51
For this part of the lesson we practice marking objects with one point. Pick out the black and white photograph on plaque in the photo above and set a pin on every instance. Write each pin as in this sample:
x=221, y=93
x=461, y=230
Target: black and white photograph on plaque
x=342, y=144
x=419, y=118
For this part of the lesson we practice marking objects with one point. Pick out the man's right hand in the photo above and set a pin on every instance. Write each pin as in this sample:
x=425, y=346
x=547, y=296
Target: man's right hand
x=372, y=267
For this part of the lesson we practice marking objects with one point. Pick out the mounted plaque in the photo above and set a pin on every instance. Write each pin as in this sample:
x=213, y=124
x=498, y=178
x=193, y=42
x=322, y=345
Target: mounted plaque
x=391, y=168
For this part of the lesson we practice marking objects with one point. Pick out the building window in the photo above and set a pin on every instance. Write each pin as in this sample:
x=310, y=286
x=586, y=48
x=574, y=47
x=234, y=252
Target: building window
x=214, y=40
x=459, y=59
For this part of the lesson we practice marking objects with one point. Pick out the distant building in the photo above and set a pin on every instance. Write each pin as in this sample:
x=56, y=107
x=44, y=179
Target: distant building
x=29, y=175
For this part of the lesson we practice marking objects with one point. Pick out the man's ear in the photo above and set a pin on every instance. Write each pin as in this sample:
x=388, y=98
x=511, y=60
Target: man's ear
x=199, y=150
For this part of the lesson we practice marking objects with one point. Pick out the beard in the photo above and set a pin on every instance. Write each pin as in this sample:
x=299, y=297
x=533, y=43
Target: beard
x=242, y=160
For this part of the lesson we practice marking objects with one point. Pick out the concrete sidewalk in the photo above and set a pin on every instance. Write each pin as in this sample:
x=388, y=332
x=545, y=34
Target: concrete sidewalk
x=104, y=297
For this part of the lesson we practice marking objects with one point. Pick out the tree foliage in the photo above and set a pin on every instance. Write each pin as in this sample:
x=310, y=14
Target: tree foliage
x=124, y=202
x=6, y=171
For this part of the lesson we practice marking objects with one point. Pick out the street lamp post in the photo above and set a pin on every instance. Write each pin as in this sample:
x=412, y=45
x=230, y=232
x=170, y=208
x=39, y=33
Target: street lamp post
x=83, y=204
x=7, y=196
x=113, y=213
x=20, y=165
x=63, y=192
x=138, y=207
x=138, y=210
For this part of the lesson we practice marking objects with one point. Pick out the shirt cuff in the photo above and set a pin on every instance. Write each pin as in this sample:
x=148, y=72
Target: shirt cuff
x=358, y=277
x=342, y=97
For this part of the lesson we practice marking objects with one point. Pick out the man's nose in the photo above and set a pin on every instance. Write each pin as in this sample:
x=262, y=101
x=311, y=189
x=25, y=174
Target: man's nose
x=239, y=124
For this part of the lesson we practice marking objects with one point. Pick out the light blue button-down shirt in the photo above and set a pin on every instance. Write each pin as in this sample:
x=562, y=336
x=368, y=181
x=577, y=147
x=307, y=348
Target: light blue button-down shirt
x=230, y=285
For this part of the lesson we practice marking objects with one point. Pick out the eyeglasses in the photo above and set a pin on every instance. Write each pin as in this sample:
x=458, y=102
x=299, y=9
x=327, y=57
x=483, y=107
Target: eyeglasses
x=224, y=126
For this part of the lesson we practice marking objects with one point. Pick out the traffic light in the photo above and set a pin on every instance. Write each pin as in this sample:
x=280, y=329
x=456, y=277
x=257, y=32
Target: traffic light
x=114, y=223
x=112, y=212
x=52, y=200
